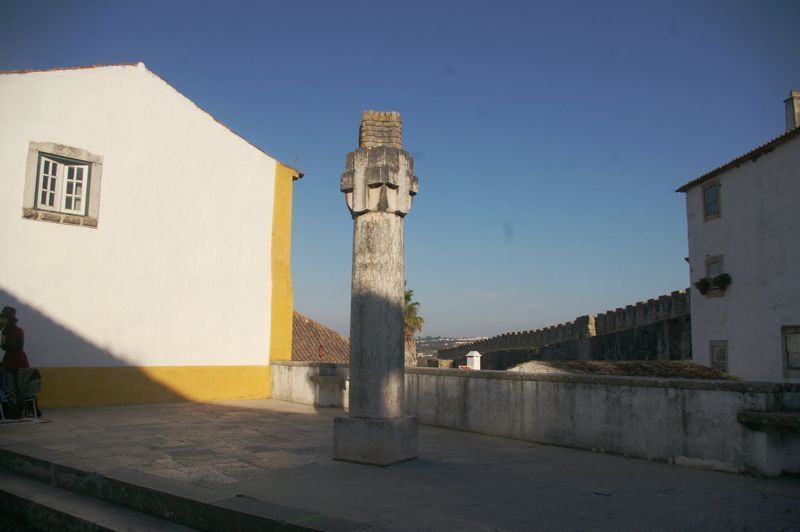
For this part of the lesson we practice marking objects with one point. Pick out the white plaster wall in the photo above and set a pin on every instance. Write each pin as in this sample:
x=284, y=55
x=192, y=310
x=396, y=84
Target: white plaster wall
x=758, y=233
x=178, y=271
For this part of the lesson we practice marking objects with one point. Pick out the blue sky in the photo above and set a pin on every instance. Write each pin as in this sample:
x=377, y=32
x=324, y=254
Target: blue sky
x=548, y=137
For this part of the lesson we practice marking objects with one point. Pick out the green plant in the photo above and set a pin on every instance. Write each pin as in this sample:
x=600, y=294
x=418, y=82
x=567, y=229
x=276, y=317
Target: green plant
x=703, y=285
x=722, y=281
x=412, y=321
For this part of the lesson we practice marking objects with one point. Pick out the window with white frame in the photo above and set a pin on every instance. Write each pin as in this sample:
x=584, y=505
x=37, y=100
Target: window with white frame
x=711, y=201
x=791, y=348
x=62, y=184
x=713, y=269
x=719, y=355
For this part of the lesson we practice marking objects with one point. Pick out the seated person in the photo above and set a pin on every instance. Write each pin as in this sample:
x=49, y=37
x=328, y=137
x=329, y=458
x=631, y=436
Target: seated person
x=13, y=340
x=20, y=382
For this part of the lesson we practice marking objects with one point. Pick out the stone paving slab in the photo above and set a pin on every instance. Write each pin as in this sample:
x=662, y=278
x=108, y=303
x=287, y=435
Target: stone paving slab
x=275, y=453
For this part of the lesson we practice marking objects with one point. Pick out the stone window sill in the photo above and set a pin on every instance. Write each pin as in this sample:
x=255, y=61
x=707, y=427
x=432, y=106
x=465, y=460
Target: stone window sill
x=59, y=217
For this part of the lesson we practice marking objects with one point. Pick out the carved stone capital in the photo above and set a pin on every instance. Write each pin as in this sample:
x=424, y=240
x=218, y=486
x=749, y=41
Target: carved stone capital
x=379, y=179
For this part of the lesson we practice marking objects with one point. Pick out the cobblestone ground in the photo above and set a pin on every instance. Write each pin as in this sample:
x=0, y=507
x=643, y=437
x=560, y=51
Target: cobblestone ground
x=281, y=453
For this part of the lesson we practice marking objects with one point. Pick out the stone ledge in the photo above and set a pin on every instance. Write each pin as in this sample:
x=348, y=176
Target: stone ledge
x=328, y=379
x=605, y=380
x=304, y=363
x=59, y=217
x=652, y=382
x=770, y=421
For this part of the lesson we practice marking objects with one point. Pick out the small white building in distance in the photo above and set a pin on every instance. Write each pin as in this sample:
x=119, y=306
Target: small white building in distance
x=145, y=245
x=744, y=256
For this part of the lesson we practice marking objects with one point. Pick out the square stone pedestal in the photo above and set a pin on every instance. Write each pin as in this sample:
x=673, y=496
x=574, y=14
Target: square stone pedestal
x=374, y=441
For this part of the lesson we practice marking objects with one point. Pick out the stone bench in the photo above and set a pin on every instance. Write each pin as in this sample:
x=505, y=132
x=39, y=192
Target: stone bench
x=335, y=380
x=781, y=421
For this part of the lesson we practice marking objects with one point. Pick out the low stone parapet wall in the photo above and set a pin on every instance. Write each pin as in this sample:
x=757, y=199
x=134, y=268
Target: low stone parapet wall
x=678, y=421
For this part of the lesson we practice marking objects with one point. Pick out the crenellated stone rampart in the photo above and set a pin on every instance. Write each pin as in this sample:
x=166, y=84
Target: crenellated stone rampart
x=673, y=305
x=657, y=328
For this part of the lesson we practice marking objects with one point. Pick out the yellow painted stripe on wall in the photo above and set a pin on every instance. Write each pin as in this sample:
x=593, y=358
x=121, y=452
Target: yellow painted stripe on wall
x=96, y=386
x=280, y=342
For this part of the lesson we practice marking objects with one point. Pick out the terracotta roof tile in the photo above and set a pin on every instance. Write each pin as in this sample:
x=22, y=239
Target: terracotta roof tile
x=752, y=154
x=313, y=342
x=54, y=69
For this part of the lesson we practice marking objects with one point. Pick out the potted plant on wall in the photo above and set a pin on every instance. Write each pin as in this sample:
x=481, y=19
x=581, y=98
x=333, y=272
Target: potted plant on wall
x=703, y=285
x=720, y=282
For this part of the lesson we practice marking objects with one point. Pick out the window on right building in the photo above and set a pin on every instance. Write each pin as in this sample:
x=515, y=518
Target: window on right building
x=714, y=268
x=719, y=354
x=711, y=200
x=791, y=349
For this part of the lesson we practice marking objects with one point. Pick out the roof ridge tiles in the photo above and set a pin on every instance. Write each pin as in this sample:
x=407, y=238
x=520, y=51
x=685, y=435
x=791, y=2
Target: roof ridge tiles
x=140, y=64
x=79, y=67
x=752, y=154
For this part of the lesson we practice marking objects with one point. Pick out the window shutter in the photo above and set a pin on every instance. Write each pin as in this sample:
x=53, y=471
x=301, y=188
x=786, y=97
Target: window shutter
x=48, y=184
x=75, y=180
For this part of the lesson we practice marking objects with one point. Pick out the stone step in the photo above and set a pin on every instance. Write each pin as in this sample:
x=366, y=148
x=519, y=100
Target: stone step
x=172, y=501
x=9, y=524
x=49, y=508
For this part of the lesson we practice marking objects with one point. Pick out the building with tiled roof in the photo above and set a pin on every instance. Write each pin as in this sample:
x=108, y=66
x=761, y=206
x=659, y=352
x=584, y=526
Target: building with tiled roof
x=750, y=156
x=744, y=255
x=313, y=342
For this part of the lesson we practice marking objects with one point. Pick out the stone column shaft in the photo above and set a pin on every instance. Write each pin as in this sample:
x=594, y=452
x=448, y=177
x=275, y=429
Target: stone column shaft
x=376, y=345
x=378, y=183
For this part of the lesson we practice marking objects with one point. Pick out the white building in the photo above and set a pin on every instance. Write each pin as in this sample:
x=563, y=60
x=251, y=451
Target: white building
x=145, y=245
x=744, y=221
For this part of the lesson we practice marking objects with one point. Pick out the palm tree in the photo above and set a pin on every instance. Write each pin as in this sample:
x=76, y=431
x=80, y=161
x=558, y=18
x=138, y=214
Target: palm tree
x=413, y=323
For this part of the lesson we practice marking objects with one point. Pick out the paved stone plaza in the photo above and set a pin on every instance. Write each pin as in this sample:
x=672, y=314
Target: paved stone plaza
x=280, y=453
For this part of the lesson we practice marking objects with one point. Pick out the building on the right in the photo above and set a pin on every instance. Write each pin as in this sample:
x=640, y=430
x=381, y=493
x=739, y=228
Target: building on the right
x=744, y=258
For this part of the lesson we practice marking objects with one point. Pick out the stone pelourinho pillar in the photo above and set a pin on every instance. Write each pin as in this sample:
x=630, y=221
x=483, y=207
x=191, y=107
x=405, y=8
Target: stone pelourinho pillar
x=378, y=184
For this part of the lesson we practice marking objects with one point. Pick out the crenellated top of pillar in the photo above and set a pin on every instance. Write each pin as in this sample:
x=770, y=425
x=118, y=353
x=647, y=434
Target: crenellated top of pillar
x=380, y=128
x=379, y=175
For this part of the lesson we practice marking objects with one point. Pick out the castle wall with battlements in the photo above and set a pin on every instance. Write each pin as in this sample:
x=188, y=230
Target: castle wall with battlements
x=656, y=329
